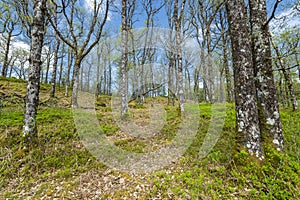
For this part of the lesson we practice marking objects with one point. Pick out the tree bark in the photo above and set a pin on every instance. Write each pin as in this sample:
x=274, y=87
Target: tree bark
x=75, y=83
x=267, y=98
x=6, y=59
x=124, y=61
x=32, y=94
x=70, y=62
x=53, y=80
x=61, y=68
x=246, y=105
x=178, y=21
x=48, y=65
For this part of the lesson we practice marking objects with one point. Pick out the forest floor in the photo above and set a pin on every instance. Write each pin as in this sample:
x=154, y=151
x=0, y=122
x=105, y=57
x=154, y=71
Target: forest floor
x=61, y=167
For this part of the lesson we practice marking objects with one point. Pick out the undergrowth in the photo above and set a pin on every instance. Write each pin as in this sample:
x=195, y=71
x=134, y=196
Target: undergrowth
x=61, y=167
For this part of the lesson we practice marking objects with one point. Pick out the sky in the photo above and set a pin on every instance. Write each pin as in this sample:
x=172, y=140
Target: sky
x=286, y=17
x=283, y=14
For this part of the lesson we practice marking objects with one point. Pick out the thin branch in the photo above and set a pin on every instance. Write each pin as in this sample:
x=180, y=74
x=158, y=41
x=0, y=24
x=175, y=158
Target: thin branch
x=281, y=69
x=144, y=93
x=273, y=12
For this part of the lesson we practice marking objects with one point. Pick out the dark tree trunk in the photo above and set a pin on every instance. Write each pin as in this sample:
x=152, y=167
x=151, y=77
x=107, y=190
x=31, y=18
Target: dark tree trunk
x=48, y=66
x=245, y=97
x=267, y=99
x=32, y=94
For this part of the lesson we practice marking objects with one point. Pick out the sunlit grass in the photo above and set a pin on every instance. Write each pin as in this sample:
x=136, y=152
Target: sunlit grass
x=61, y=167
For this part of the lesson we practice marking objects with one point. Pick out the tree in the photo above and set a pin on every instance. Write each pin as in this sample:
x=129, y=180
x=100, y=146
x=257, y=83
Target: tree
x=286, y=73
x=246, y=105
x=83, y=35
x=124, y=60
x=53, y=80
x=9, y=21
x=267, y=99
x=70, y=63
x=203, y=14
x=224, y=40
x=32, y=93
x=178, y=17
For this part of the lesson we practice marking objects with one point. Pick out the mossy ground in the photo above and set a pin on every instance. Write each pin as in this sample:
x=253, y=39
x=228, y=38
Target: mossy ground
x=60, y=167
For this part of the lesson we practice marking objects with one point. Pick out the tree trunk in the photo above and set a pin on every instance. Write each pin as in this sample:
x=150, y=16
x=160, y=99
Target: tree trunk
x=225, y=60
x=6, y=59
x=246, y=105
x=47, y=66
x=267, y=99
x=75, y=82
x=61, y=68
x=32, y=94
x=53, y=80
x=210, y=81
x=178, y=39
x=124, y=61
x=171, y=98
x=104, y=77
x=109, y=75
x=70, y=62
x=281, y=91
x=59, y=82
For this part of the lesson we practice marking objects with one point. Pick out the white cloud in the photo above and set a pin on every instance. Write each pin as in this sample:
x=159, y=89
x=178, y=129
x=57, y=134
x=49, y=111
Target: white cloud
x=89, y=4
x=20, y=45
x=287, y=19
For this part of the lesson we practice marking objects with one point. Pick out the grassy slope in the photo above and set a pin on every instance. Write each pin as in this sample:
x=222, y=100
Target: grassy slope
x=62, y=168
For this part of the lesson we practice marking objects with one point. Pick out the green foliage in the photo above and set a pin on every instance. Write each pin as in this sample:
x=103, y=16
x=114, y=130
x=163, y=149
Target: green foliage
x=60, y=165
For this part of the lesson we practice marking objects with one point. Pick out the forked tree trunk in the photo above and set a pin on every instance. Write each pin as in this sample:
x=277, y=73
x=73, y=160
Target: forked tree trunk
x=32, y=94
x=245, y=98
x=267, y=99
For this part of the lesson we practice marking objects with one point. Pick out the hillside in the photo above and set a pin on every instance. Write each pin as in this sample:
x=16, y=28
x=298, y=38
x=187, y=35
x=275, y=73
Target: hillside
x=61, y=167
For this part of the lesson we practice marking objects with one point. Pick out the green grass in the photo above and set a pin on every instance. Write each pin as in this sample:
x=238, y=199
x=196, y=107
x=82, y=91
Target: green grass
x=61, y=167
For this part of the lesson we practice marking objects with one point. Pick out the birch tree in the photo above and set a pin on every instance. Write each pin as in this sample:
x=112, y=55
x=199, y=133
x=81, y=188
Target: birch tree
x=84, y=32
x=10, y=21
x=32, y=93
x=55, y=61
